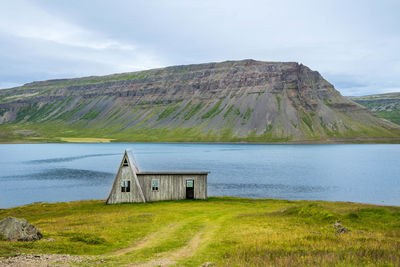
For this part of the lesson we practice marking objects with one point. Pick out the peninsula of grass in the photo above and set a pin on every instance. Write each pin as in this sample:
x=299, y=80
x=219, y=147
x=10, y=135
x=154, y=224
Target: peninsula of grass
x=225, y=231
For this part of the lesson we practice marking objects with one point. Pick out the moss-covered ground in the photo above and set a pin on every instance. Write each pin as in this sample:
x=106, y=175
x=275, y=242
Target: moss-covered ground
x=225, y=231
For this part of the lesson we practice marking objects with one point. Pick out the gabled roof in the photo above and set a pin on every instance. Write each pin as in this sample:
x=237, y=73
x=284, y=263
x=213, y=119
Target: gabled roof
x=132, y=160
x=132, y=164
x=128, y=154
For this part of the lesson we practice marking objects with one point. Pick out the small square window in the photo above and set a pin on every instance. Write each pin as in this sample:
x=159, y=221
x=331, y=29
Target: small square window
x=189, y=183
x=125, y=186
x=154, y=184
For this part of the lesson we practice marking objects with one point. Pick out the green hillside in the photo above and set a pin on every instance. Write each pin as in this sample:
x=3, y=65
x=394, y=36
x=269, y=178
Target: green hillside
x=386, y=106
x=232, y=101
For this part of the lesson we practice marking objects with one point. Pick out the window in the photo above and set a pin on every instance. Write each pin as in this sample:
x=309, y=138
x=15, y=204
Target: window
x=189, y=183
x=125, y=186
x=154, y=184
x=125, y=164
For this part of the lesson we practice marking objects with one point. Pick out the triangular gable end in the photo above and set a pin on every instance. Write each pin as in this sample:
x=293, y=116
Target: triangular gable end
x=135, y=169
x=126, y=172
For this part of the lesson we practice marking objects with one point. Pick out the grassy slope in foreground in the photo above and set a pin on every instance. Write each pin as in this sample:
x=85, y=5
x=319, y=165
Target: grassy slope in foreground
x=226, y=231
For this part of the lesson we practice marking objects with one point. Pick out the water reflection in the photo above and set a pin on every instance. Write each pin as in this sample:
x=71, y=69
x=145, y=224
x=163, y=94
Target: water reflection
x=63, y=174
x=66, y=159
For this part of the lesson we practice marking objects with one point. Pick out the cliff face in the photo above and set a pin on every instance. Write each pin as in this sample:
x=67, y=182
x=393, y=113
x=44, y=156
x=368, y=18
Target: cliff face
x=228, y=101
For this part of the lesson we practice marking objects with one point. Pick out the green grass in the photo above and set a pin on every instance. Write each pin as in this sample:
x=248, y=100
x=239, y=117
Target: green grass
x=214, y=111
x=226, y=114
x=389, y=109
x=57, y=131
x=91, y=114
x=248, y=113
x=192, y=111
x=114, y=113
x=225, y=231
x=278, y=100
x=26, y=111
x=393, y=116
x=94, y=80
x=183, y=110
x=307, y=120
x=169, y=110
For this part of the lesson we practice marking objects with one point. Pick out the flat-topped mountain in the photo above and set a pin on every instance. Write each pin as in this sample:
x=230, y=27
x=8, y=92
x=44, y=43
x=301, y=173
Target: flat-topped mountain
x=230, y=101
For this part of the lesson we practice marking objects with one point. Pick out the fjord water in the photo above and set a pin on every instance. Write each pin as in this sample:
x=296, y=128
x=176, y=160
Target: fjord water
x=66, y=172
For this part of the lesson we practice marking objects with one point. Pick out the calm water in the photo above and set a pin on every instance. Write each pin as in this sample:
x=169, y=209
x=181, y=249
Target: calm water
x=64, y=172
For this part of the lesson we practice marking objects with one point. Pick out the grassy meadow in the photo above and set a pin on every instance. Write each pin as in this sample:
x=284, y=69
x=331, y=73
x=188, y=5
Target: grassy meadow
x=61, y=132
x=225, y=231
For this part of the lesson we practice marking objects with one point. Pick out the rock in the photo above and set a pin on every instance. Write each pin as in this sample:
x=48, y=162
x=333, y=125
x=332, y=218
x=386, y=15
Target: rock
x=337, y=224
x=342, y=230
x=208, y=264
x=49, y=240
x=23, y=260
x=14, y=229
x=247, y=92
x=284, y=210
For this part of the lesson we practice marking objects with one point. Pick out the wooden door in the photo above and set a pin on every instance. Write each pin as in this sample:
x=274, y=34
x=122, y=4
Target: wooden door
x=189, y=189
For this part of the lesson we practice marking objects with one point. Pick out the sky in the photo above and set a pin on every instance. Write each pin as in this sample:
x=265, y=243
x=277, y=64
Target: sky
x=355, y=44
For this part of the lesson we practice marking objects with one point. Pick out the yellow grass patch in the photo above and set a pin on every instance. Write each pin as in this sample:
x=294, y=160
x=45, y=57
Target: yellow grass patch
x=85, y=140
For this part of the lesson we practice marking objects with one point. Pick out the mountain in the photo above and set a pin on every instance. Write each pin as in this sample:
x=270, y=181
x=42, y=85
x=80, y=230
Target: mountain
x=386, y=106
x=230, y=101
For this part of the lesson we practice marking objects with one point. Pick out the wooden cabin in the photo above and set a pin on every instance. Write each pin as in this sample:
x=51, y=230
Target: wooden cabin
x=132, y=185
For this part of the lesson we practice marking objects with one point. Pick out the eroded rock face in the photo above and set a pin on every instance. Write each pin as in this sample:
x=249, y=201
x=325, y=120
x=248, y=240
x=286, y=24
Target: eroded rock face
x=15, y=229
x=238, y=99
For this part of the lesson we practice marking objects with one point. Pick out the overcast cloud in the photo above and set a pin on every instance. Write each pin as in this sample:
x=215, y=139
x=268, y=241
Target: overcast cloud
x=353, y=44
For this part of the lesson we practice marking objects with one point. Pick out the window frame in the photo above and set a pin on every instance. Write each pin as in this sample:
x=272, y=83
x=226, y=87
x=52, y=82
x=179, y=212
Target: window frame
x=155, y=188
x=190, y=180
x=125, y=186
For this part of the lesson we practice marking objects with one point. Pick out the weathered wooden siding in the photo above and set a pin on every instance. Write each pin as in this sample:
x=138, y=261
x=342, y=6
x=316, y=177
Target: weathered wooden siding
x=116, y=196
x=172, y=186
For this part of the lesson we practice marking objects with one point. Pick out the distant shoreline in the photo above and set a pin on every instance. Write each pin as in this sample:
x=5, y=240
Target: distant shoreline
x=383, y=140
x=210, y=197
